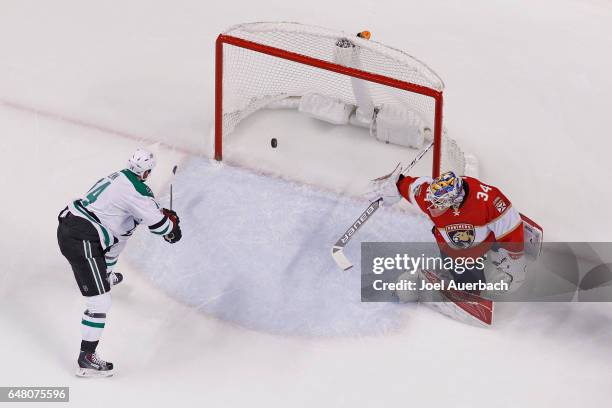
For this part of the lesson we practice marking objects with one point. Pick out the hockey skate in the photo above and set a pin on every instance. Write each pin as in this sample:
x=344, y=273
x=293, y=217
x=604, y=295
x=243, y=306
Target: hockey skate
x=90, y=365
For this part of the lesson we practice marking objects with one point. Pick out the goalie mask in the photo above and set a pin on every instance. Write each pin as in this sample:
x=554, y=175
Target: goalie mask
x=141, y=163
x=444, y=192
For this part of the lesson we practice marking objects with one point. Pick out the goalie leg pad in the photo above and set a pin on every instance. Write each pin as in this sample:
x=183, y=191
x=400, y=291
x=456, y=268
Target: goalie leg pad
x=534, y=236
x=458, y=305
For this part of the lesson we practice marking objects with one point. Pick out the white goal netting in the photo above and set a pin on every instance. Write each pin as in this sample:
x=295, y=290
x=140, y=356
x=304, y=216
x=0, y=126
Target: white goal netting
x=270, y=64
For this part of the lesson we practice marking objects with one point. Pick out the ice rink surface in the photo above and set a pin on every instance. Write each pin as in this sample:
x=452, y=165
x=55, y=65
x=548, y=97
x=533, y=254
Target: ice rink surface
x=272, y=271
x=82, y=85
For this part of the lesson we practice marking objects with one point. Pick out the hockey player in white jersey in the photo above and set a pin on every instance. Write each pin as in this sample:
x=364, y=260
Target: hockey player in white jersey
x=92, y=232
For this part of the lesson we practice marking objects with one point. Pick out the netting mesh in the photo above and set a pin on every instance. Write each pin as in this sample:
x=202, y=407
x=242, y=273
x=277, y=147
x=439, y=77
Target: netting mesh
x=253, y=80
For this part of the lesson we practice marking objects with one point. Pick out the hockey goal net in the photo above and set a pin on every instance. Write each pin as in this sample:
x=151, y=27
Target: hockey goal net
x=259, y=65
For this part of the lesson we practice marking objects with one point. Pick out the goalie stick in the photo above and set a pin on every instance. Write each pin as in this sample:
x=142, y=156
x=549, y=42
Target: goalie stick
x=337, y=251
x=386, y=176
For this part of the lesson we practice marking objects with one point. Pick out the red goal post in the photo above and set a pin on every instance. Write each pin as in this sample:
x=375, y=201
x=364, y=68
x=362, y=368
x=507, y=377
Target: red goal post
x=258, y=63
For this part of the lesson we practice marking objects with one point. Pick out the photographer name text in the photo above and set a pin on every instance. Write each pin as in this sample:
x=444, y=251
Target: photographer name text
x=404, y=285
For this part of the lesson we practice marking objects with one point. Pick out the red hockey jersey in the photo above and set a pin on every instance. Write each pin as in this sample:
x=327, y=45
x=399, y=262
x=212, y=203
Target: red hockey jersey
x=485, y=217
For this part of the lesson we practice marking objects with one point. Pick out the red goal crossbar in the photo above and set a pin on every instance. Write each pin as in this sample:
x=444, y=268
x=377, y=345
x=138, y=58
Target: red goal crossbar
x=329, y=66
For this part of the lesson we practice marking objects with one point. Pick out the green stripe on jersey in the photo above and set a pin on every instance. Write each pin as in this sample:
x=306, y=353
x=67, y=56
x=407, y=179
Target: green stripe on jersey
x=138, y=184
x=78, y=206
x=94, y=267
x=161, y=230
x=164, y=232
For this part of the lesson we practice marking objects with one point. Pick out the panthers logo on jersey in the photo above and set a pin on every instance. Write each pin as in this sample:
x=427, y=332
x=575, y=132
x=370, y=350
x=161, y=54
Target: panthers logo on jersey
x=461, y=235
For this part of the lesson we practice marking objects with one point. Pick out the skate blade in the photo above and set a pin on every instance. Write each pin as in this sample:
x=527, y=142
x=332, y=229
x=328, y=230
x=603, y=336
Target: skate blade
x=91, y=373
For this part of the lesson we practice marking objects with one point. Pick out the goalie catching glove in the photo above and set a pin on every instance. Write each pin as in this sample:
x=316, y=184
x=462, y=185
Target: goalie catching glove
x=385, y=187
x=175, y=235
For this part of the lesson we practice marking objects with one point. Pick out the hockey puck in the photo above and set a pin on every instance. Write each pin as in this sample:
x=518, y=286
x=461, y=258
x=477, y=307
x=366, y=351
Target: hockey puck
x=274, y=143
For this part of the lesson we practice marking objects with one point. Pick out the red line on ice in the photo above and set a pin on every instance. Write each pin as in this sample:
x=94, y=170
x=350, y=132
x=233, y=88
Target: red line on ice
x=78, y=122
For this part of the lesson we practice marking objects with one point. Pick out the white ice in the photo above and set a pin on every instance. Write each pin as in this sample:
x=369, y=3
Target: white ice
x=83, y=84
x=272, y=271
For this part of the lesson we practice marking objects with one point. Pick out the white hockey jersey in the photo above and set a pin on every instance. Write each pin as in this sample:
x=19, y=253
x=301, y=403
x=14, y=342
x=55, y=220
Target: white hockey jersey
x=117, y=204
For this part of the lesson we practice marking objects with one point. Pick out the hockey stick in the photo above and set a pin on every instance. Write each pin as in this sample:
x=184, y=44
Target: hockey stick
x=171, y=235
x=337, y=251
x=173, y=174
x=386, y=176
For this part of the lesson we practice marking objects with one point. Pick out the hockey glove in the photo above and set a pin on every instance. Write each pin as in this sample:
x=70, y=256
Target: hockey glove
x=386, y=187
x=175, y=235
x=172, y=215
